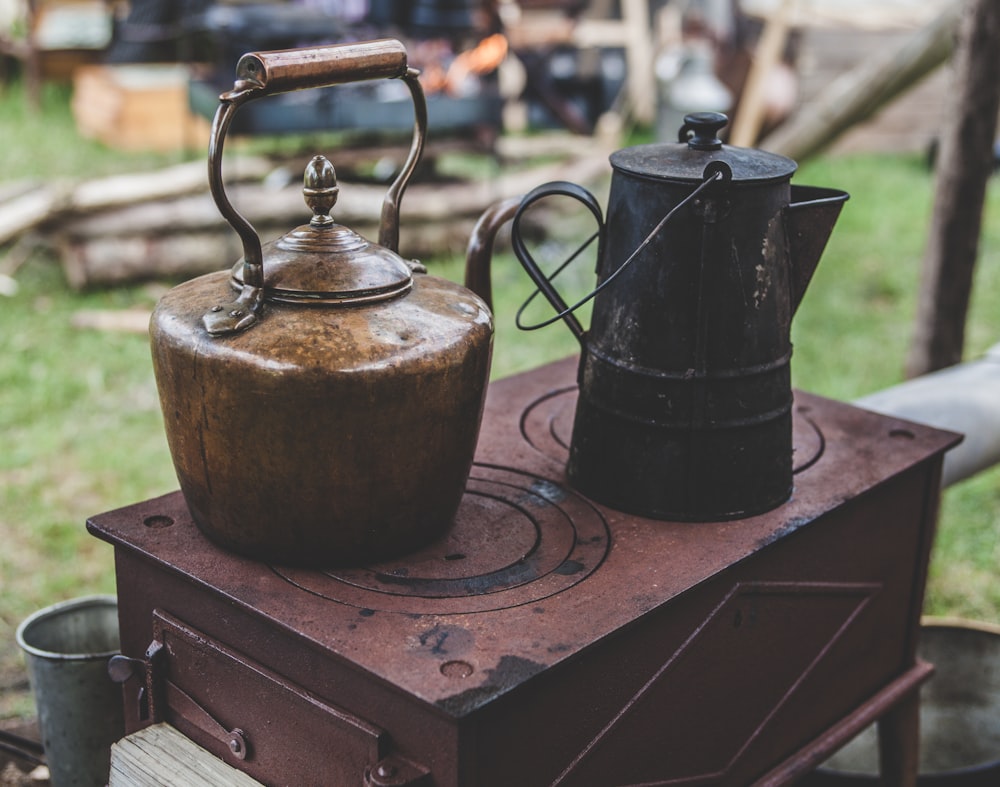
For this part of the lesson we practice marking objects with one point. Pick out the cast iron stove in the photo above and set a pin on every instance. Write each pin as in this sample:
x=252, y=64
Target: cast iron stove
x=548, y=640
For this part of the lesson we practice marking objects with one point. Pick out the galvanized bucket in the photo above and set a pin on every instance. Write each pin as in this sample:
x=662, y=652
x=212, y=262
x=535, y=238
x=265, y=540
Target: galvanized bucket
x=959, y=715
x=67, y=647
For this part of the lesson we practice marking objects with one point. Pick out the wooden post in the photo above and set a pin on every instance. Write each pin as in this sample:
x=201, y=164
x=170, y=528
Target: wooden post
x=750, y=112
x=964, y=164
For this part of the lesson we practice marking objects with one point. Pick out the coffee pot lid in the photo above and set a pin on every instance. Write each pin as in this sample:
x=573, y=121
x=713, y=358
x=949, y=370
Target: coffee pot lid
x=698, y=145
x=324, y=262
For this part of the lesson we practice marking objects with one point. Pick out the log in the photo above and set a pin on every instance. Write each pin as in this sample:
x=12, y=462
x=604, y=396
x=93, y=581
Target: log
x=120, y=259
x=121, y=320
x=110, y=260
x=31, y=209
x=28, y=210
x=964, y=165
x=186, y=237
x=861, y=92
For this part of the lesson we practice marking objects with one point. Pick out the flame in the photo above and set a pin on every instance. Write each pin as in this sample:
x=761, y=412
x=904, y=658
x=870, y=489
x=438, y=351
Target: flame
x=485, y=57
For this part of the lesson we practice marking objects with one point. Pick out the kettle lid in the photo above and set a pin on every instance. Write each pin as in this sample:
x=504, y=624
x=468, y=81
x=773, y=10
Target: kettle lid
x=698, y=145
x=324, y=262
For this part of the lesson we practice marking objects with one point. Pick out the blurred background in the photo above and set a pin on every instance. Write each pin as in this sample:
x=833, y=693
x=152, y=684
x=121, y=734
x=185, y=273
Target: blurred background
x=105, y=109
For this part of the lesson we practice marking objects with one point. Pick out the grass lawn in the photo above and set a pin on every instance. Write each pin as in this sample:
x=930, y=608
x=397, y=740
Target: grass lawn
x=81, y=429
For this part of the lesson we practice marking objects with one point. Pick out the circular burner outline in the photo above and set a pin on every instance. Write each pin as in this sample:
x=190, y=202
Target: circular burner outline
x=589, y=545
x=510, y=576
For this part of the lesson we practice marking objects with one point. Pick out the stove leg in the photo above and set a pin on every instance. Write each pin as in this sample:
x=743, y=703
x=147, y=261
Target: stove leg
x=899, y=742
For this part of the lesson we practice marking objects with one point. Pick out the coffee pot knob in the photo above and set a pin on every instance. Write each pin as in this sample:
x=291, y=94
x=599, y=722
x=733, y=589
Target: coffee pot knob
x=701, y=130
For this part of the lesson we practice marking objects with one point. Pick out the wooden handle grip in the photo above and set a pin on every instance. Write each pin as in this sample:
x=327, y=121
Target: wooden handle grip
x=281, y=71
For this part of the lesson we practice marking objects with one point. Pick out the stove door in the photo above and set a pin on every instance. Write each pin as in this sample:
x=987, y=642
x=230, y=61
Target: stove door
x=259, y=722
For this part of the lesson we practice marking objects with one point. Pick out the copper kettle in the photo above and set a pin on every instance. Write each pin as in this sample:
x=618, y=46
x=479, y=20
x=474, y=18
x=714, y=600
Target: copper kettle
x=322, y=399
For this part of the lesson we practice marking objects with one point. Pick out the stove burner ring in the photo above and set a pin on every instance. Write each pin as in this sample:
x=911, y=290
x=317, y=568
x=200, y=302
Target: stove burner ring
x=547, y=425
x=517, y=539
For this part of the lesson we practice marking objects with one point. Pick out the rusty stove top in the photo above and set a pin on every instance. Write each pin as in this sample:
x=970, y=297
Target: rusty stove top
x=532, y=573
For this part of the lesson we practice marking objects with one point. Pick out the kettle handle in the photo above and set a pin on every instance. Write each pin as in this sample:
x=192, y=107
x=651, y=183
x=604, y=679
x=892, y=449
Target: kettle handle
x=543, y=282
x=260, y=74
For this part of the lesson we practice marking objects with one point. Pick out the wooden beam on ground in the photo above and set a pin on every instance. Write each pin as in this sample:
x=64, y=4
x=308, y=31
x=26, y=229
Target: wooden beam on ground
x=861, y=92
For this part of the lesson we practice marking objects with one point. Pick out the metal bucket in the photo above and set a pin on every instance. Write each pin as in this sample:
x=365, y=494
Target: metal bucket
x=67, y=647
x=959, y=716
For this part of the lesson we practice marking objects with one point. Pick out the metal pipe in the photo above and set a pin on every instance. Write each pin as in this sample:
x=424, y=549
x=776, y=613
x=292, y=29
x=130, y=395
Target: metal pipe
x=963, y=398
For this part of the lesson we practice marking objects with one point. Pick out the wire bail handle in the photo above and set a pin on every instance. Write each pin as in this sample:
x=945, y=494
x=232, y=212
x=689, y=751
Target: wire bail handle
x=715, y=172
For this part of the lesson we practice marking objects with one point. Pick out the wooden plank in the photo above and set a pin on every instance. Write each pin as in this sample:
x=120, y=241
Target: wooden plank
x=633, y=33
x=964, y=166
x=159, y=756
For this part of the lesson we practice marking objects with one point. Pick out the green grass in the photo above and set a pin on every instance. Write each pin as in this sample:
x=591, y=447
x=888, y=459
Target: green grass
x=81, y=433
x=43, y=144
x=854, y=326
x=81, y=430
x=855, y=323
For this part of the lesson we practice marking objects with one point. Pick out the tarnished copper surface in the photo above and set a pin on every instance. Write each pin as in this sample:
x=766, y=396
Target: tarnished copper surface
x=550, y=640
x=324, y=435
x=322, y=405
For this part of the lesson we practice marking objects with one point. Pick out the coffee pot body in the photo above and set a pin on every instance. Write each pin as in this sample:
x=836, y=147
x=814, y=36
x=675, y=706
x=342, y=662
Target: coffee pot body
x=685, y=400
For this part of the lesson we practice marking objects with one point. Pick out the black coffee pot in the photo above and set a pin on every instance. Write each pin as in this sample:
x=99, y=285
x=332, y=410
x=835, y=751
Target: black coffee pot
x=685, y=401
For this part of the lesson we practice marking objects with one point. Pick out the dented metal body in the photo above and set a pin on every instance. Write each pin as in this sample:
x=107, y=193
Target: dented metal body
x=322, y=399
x=685, y=389
x=548, y=639
x=324, y=435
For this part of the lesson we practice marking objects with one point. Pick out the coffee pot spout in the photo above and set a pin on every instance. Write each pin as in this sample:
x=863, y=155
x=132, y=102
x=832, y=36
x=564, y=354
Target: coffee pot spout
x=809, y=220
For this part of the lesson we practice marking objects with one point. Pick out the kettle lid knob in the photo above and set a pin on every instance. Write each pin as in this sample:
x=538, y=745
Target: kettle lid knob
x=324, y=262
x=701, y=130
x=320, y=190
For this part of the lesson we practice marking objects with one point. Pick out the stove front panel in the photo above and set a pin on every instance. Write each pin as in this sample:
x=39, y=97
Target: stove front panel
x=303, y=715
x=722, y=683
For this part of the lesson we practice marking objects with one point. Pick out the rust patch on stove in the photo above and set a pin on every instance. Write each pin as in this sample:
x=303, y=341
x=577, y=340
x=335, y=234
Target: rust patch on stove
x=509, y=672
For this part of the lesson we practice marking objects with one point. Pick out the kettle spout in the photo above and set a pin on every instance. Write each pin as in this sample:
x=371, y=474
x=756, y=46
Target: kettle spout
x=809, y=220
